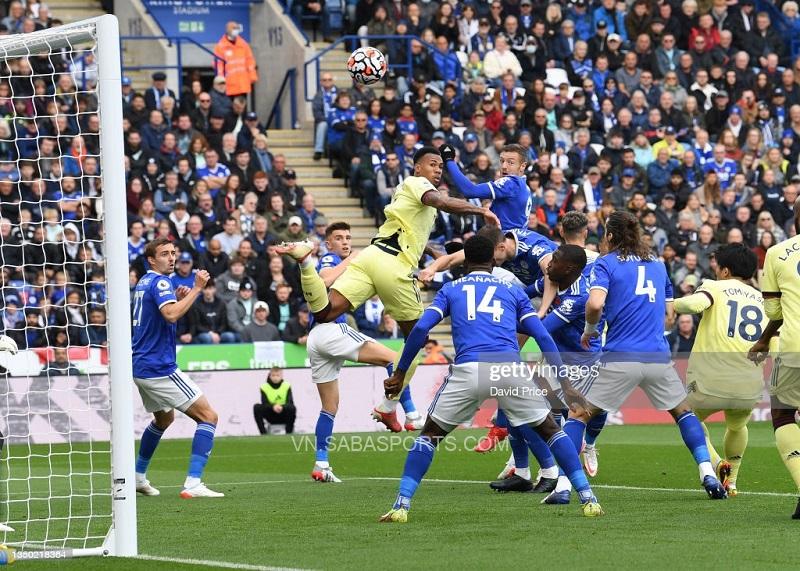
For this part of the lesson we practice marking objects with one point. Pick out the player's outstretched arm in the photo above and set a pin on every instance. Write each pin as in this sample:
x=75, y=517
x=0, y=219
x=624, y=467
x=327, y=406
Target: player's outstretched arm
x=550, y=289
x=594, y=310
x=457, y=206
x=693, y=304
x=760, y=350
x=330, y=275
x=172, y=312
x=440, y=264
x=468, y=188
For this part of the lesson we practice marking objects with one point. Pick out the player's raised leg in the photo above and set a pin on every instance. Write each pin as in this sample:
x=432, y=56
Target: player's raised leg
x=203, y=442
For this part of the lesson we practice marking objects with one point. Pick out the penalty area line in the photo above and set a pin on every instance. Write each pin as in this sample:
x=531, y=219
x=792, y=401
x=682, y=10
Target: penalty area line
x=210, y=563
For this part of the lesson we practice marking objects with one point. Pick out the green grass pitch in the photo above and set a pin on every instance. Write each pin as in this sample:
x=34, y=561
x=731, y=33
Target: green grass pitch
x=273, y=515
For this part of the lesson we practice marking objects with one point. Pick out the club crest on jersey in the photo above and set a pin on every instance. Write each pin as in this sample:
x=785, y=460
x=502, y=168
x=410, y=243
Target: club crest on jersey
x=567, y=305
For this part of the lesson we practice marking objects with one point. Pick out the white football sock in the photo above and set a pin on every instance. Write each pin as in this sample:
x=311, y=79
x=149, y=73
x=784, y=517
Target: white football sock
x=706, y=469
x=511, y=461
x=141, y=478
x=322, y=464
x=190, y=482
x=551, y=472
x=388, y=405
x=413, y=415
x=524, y=473
x=563, y=484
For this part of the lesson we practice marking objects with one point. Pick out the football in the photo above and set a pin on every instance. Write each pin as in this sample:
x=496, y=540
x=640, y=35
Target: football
x=8, y=344
x=367, y=65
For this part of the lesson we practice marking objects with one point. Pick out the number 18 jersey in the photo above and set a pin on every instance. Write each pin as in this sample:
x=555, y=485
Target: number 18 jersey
x=638, y=291
x=484, y=312
x=718, y=363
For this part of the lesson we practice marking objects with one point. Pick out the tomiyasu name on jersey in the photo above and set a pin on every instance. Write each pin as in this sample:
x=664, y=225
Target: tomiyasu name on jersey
x=733, y=321
x=531, y=247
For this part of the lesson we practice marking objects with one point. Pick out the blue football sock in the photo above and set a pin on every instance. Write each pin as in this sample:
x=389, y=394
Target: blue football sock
x=693, y=436
x=568, y=460
x=501, y=420
x=150, y=439
x=324, y=431
x=574, y=429
x=519, y=447
x=202, y=443
x=538, y=447
x=594, y=427
x=406, y=401
x=417, y=463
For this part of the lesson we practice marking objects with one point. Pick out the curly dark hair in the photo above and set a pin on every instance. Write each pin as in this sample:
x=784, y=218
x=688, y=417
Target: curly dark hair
x=625, y=236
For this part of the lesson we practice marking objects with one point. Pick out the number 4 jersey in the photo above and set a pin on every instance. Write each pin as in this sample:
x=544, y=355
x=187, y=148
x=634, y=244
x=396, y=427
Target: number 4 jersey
x=734, y=321
x=638, y=291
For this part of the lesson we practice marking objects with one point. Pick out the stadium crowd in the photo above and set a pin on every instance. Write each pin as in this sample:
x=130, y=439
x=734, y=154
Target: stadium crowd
x=685, y=113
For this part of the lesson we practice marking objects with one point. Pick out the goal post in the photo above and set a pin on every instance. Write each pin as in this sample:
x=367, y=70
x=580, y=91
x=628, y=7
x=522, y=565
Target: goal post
x=68, y=466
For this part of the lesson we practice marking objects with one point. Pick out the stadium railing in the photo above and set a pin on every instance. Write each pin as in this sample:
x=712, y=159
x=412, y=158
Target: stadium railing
x=354, y=42
x=177, y=42
x=290, y=80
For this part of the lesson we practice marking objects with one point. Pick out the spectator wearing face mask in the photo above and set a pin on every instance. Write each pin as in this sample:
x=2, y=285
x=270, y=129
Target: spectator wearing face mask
x=236, y=64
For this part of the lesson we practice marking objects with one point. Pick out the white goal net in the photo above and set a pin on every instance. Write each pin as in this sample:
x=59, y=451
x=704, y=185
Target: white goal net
x=67, y=464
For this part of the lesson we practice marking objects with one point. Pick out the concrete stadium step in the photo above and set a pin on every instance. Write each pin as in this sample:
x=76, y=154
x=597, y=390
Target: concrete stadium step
x=74, y=10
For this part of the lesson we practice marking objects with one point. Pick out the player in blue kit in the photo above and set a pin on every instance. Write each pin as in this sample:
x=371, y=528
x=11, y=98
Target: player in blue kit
x=510, y=195
x=634, y=290
x=162, y=385
x=565, y=323
x=329, y=345
x=524, y=253
x=485, y=313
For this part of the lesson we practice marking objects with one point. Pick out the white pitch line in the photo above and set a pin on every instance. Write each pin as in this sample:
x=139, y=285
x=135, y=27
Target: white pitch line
x=218, y=564
x=598, y=486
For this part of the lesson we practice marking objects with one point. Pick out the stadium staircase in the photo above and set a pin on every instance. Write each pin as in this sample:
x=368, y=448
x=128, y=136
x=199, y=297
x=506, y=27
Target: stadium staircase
x=74, y=10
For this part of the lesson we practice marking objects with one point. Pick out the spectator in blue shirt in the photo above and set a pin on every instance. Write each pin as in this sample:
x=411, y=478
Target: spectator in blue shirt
x=660, y=171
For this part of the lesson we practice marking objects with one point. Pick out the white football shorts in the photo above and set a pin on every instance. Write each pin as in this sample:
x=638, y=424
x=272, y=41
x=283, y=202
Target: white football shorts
x=329, y=345
x=467, y=385
x=616, y=381
x=165, y=393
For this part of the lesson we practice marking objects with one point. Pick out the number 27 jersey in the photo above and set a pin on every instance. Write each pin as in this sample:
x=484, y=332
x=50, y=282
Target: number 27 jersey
x=484, y=312
x=153, y=336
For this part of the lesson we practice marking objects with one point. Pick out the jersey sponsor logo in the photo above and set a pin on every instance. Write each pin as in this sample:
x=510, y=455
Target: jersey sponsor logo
x=162, y=284
x=163, y=293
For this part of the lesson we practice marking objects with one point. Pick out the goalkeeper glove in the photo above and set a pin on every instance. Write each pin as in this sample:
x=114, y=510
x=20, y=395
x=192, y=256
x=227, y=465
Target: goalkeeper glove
x=447, y=152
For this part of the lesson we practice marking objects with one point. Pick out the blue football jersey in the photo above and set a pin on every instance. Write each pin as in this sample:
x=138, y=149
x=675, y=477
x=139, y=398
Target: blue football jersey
x=179, y=280
x=511, y=201
x=638, y=291
x=484, y=311
x=531, y=248
x=329, y=260
x=569, y=309
x=153, y=336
